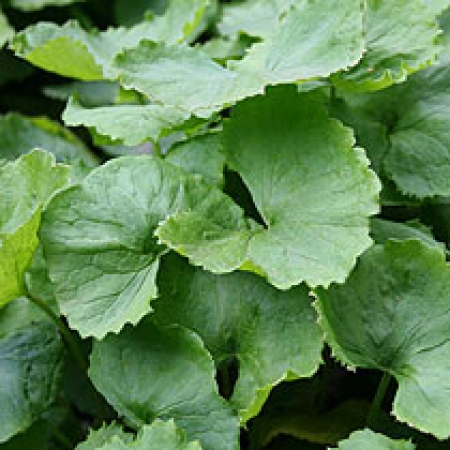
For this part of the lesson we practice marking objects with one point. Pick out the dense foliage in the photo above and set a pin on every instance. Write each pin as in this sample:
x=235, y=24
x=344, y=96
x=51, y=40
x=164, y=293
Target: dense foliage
x=224, y=224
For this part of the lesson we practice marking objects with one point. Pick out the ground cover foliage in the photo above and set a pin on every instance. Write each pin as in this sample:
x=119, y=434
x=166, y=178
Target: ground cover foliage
x=224, y=224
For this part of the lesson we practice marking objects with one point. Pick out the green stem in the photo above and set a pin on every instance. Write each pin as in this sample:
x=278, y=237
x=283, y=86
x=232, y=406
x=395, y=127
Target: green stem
x=62, y=439
x=72, y=345
x=378, y=400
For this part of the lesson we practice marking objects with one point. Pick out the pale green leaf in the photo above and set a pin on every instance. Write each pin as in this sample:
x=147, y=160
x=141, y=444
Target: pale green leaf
x=25, y=187
x=30, y=364
x=400, y=39
x=315, y=196
x=20, y=135
x=182, y=383
x=392, y=315
x=160, y=435
x=129, y=124
x=99, y=238
x=33, y=5
x=71, y=51
x=6, y=31
x=368, y=440
x=252, y=17
x=102, y=436
x=437, y=6
x=298, y=49
x=221, y=49
x=238, y=315
x=179, y=20
x=202, y=155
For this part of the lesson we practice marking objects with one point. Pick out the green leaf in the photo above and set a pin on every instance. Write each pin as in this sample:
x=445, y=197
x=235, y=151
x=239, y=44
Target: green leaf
x=418, y=160
x=6, y=31
x=19, y=314
x=381, y=230
x=400, y=39
x=251, y=314
x=160, y=435
x=25, y=187
x=392, y=315
x=369, y=440
x=30, y=364
x=179, y=20
x=38, y=282
x=298, y=49
x=416, y=113
x=201, y=155
x=99, y=238
x=314, y=196
x=222, y=49
x=88, y=93
x=129, y=124
x=20, y=135
x=102, y=436
x=437, y=6
x=34, y=5
x=122, y=365
x=71, y=51
x=252, y=17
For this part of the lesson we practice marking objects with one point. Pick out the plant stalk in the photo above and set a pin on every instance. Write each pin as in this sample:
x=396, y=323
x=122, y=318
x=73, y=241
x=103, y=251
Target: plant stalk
x=378, y=400
x=72, y=345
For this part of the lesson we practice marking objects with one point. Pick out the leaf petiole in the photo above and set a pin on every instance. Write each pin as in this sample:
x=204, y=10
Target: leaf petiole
x=72, y=345
x=378, y=400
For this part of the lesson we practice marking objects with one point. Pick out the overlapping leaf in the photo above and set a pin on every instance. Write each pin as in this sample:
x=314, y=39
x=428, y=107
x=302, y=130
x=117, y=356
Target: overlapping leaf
x=313, y=190
x=237, y=315
x=381, y=230
x=33, y=5
x=374, y=441
x=129, y=124
x=160, y=435
x=73, y=52
x=123, y=365
x=392, y=315
x=310, y=42
x=200, y=155
x=99, y=238
x=252, y=17
x=30, y=364
x=6, y=31
x=19, y=135
x=400, y=38
x=25, y=187
x=416, y=114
